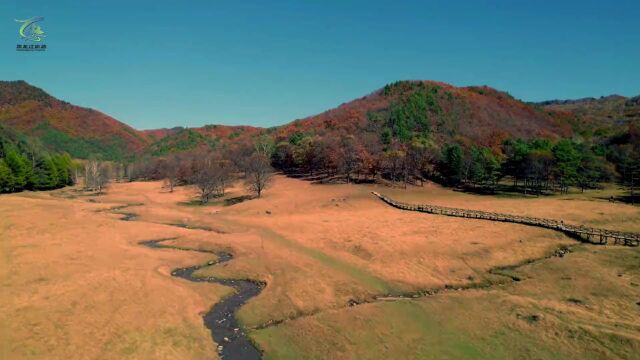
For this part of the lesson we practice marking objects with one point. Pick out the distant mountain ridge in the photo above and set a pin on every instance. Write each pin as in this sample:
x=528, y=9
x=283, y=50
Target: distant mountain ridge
x=82, y=132
x=209, y=136
x=581, y=100
x=444, y=113
x=603, y=115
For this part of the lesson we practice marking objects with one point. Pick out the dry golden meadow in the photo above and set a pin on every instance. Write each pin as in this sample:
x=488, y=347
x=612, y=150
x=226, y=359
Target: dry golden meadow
x=76, y=283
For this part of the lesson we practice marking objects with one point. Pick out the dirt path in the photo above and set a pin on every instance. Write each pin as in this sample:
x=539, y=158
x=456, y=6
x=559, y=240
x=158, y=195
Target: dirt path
x=220, y=320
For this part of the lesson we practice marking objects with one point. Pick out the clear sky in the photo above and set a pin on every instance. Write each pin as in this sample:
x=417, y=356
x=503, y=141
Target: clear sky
x=188, y=63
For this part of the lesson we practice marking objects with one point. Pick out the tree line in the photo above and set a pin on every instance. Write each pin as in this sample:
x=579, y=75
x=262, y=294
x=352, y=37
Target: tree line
x=26, y=166
x=212, y=172
x=396, y=143
x=533, y=166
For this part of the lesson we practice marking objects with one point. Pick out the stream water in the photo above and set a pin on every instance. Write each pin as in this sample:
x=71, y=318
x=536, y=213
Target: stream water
x=233, y=343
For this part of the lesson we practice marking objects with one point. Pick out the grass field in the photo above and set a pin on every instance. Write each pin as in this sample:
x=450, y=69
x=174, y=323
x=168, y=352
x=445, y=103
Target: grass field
x=556, y=313
x=76, y=284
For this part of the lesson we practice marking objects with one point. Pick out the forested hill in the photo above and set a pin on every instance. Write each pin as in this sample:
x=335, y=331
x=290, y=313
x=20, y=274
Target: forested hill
x=430, y=113
x=471, y=115
x=597, y=117
x=406, y=131
x=61, y=126
x=412, y=130
x=441, y=112
x=180, y=139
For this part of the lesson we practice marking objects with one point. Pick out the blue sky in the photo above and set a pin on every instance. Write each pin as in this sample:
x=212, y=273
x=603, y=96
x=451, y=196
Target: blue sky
x=188, y=63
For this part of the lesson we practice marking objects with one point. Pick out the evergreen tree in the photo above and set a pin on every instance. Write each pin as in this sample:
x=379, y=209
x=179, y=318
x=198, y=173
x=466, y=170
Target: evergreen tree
x=516, y=152
x=451, y=163
x=590, y=169
x=6, y=178
x=63, y=169
x=386, y=136
x=476, y=168
x=45, y=174
x=566, y=161
x=20, y=168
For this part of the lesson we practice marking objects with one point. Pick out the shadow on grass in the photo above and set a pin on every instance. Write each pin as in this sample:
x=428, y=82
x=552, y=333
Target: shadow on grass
x=624, y=199
x=197, y=203
x=628, y=199
x=504, y=191
x=238, y=200
x=218, y=202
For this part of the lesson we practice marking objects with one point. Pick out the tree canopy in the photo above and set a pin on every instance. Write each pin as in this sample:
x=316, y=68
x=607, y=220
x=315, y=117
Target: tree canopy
x=25, y=166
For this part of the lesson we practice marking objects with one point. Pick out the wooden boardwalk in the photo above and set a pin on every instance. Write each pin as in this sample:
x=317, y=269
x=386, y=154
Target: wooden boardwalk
x=583, y=233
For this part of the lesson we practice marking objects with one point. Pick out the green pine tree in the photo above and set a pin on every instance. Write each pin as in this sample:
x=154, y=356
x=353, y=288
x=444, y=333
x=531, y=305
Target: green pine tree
x=20, y=168
x=45, y=174
x=6, y=177
x=451, y=164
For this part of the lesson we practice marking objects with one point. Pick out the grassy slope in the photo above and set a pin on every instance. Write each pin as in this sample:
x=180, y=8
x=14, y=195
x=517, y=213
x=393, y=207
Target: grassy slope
x=75, y=288
x=579, y=307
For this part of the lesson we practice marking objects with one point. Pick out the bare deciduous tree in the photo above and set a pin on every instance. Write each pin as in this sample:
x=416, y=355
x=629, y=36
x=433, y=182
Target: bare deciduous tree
x=170, y=171
x=104, y=175
x=264, y=146
x=91, y=173
x=238, y=154
x=350, y=161
x=96, y=175
x=211, y=175
x=259, y=173
x=203, y=178
x=77, y=167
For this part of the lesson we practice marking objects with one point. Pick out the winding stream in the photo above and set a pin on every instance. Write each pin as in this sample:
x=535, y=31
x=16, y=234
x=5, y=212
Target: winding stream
x=220, y=319
x=233, y=342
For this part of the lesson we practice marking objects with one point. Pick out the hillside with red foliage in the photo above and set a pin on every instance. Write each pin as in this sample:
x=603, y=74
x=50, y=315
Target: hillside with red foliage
x=211, y=131
x=472, y=115
x=157, y=134
x=604, y=109
x=181, y=139
x=83, y=132
x=228, y=131
x=65, y=127
x=438, y=112
x=601, y=116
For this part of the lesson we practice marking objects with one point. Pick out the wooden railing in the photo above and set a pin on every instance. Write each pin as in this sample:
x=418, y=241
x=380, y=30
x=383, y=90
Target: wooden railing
x=583, y=233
